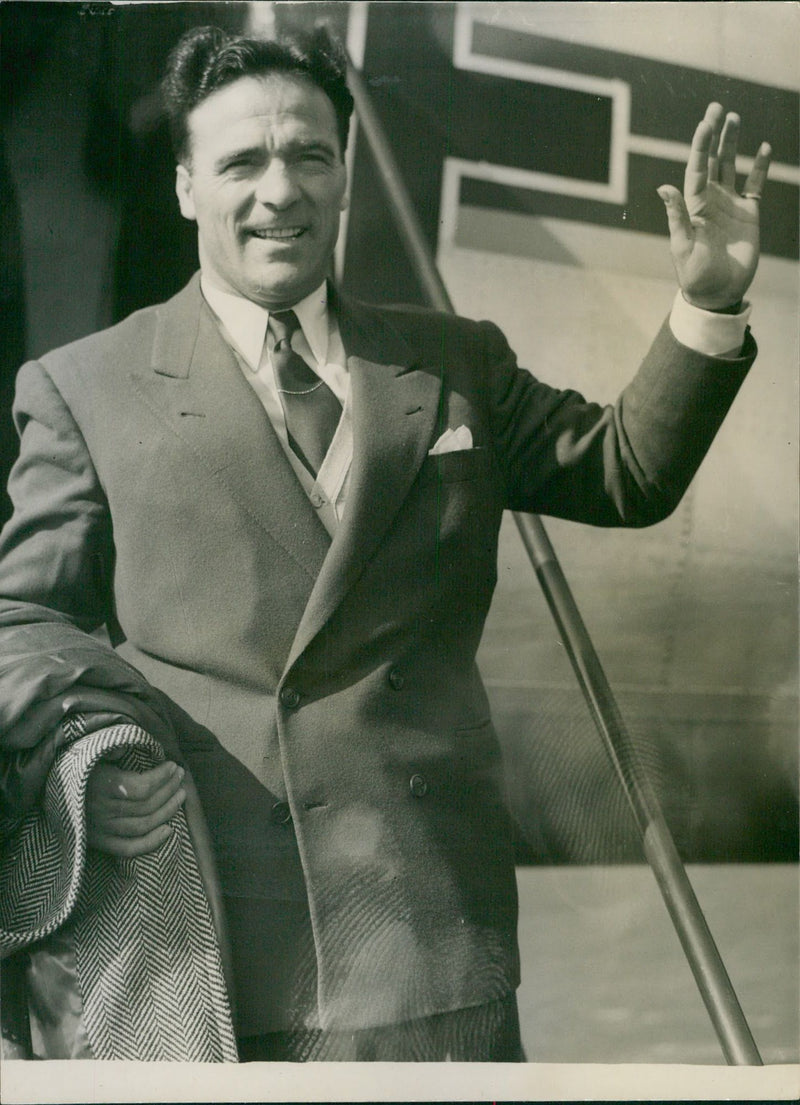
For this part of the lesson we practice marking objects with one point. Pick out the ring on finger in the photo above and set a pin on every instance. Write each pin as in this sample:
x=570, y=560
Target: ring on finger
x=751, y=196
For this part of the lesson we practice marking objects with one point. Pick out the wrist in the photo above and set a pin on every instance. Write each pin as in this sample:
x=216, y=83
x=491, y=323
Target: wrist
x=727, y=309
x=734, y=309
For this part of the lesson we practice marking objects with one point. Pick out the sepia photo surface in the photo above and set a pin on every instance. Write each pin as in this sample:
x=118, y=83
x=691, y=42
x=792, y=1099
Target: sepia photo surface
x=527, y=141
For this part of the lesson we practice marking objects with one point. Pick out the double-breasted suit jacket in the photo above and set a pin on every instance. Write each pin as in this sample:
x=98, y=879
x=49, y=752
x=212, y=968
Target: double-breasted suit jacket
x=333, y=679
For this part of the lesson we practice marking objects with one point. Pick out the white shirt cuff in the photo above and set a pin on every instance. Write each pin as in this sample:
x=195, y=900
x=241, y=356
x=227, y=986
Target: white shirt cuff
x=706, y=331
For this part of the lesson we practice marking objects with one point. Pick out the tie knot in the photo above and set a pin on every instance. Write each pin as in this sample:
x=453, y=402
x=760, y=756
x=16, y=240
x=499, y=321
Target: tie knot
x=282, y=324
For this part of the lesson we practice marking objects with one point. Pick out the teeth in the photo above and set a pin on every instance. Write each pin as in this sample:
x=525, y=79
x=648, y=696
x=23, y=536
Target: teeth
x=287, y=232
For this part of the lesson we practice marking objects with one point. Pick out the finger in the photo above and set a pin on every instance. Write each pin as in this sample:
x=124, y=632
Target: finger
x=133, y=808
x=127, y=847
x=713, y=168
x=757, y=177
x=681, y=232
x=714, y=116
x=108, y=781
x=728, y=145
x=139, y=786
x=696, y=176
x=120, y=806
x=139, y=826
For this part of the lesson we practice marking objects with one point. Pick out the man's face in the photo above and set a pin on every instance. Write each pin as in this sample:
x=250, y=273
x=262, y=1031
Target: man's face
x=265, y=182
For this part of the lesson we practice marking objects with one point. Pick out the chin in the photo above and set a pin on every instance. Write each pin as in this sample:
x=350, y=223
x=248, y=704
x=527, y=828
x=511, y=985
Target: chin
x=277, y=290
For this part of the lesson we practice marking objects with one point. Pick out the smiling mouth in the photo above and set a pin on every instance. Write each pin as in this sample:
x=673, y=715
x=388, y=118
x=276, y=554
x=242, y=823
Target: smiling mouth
x=279, y=234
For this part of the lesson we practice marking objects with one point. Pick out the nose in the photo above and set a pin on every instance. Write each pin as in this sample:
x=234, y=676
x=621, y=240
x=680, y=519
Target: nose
x=277, y=187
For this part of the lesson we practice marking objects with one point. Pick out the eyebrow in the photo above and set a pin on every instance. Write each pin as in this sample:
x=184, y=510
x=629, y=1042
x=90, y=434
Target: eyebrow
x=297, y=145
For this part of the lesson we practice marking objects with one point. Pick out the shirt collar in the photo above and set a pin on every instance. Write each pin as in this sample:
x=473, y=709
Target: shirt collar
x=246, y=322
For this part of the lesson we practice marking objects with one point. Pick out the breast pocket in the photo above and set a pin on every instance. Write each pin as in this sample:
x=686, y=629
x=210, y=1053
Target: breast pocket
x=456, y=513
x=456, y=466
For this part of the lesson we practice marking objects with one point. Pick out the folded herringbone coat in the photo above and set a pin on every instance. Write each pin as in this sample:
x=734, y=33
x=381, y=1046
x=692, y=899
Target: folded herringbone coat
x=148, y=960
x=148, y=966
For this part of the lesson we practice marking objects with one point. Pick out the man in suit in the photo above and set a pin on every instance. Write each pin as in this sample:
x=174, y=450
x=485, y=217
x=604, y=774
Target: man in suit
x=285, y=506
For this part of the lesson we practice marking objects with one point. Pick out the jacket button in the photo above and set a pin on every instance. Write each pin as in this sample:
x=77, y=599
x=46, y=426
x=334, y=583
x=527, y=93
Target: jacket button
x=290, y=698
x=397, y=679
x=280, y=813
x=418, y=786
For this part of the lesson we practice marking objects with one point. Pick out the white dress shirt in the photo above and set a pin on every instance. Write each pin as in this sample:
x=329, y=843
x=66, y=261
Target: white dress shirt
x=318, y=341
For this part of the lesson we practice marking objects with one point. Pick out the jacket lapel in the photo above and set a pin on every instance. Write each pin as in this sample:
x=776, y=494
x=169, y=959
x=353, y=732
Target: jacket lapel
x=196, y=386
x=395, y=407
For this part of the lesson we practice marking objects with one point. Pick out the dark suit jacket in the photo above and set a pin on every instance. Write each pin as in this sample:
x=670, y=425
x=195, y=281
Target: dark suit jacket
x=336, y=678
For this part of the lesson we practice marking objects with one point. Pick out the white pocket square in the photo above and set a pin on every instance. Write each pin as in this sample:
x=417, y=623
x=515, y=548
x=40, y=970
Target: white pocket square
x=452, y=440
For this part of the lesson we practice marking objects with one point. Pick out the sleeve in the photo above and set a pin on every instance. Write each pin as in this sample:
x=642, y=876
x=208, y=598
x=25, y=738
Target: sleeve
x=623, y=465
x=56, y=552
x=56, y=564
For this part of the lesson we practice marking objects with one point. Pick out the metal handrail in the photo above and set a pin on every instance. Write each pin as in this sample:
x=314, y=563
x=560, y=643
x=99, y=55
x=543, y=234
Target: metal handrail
x=698, y=944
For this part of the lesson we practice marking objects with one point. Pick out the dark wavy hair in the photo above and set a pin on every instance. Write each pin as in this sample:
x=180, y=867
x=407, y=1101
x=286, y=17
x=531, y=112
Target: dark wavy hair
x=206, y=59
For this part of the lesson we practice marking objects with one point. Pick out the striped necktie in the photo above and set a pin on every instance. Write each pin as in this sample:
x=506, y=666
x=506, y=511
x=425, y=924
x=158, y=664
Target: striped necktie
x=311, y=409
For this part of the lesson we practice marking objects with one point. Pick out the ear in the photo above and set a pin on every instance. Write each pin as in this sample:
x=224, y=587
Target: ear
x=183, y=190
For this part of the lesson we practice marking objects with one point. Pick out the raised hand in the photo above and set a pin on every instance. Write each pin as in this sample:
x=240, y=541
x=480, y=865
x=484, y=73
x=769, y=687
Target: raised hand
x=714, y=232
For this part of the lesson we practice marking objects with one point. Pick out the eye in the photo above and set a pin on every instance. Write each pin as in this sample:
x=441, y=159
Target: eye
x=241, y=163
x=315, y=156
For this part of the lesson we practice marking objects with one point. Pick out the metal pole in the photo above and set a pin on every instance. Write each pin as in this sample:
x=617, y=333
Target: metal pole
x=698, y=944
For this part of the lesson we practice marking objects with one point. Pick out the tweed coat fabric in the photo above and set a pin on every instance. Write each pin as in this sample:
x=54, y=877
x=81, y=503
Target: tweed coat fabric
x=149, y=971
x=335, y=680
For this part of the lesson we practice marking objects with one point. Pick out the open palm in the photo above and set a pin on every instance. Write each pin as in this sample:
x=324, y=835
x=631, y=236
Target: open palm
x=714, y=232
